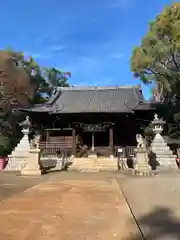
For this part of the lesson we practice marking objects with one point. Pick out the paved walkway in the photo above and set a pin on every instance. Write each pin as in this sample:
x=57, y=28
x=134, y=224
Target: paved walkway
x=71, y=205
x=155, y=202
x=68, y=209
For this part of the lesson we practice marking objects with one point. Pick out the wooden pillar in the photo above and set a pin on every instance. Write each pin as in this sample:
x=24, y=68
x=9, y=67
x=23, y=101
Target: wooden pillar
x=92, y=141
x=74, y=141
x=47, y=135
x=111, y=142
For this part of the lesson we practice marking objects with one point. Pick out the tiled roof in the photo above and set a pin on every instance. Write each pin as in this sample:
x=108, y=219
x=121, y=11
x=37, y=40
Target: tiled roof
x=92, y=99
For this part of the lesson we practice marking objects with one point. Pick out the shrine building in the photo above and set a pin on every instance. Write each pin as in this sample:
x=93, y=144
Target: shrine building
x=95, y=119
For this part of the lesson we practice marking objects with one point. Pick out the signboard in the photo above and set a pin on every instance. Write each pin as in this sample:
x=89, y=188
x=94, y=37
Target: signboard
x=94, y=128
x=120, y=150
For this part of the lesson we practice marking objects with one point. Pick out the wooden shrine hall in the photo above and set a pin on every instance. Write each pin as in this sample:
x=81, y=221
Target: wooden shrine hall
x=83, y=120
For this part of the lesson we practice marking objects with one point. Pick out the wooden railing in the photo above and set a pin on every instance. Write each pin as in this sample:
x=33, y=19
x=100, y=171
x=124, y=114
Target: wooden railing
x=52, y=150
x=103, y=151
x=56, y=145
x=126, y=157
x=127, y=151
x=59, y=139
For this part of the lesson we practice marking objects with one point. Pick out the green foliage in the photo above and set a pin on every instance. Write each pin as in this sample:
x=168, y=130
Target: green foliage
x=158, y=57
x=37, y=81
x=54, y=78
x=149, y=134
x=6, y=145
x=43, y=79
x=157, y=60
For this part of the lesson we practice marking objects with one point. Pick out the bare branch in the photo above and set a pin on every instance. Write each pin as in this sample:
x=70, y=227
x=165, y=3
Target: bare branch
x=174, y=60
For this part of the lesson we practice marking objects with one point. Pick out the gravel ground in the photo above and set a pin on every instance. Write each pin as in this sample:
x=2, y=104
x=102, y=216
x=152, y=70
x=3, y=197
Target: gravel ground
x=154, y=201
x=67, y=206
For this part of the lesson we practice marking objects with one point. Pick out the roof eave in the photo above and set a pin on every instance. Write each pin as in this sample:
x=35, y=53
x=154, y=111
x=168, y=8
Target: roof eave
x=31, y=110
x=91, y=112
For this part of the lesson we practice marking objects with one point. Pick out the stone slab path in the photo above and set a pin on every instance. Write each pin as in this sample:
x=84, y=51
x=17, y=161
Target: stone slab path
x=155, y=202
x=68, y=210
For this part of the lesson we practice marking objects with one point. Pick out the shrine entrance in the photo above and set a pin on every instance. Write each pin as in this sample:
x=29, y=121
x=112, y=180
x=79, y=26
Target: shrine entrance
x=95, y=135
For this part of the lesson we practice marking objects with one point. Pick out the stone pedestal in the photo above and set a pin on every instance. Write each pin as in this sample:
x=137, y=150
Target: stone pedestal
x=16, y=162
x=142, y=159
x=32, y=167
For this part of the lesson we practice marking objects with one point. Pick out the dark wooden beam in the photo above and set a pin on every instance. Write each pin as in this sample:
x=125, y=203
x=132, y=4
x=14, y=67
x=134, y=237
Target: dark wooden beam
x=74, y=141
x=47, y=134
x=58, y=129
x=111, y=141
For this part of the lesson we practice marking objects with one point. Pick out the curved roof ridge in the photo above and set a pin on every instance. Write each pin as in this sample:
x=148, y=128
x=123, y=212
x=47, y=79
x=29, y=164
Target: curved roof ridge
x=110, y=99
x=98, y=87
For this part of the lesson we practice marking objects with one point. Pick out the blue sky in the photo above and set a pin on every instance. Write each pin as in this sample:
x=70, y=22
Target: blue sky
x=93, y=39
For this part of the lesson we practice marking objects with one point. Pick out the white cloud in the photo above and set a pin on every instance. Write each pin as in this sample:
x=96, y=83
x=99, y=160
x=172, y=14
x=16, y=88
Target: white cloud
x=38, y=55
x=118, y=3
x=49, y=52
x=56, y=48
x=98, y=59
x=117, y=55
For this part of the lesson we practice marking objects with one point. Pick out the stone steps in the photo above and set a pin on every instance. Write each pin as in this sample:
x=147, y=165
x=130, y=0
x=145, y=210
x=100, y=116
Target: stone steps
x=93, y=165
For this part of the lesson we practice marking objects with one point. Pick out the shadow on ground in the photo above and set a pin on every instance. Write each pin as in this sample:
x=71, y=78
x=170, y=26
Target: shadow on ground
x=160, y=224
x=13, y=183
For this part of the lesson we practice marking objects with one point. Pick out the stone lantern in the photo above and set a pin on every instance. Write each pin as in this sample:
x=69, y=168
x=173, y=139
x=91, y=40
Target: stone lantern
x=25, y=130
x=32, y=166
x=164, y=156
x=19, y=156
x=157, y=124
x=25, y=126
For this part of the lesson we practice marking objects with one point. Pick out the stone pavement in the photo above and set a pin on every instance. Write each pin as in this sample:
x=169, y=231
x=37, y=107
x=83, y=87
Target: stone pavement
x=155, y=202
x=68, y=206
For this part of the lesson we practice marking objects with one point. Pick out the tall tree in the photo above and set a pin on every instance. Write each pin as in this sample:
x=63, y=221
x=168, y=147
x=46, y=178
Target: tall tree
x=43, y=79
x=16, y=90
x=158, y=57
x=22, y=83
x=157, y=60
x=55, y=78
